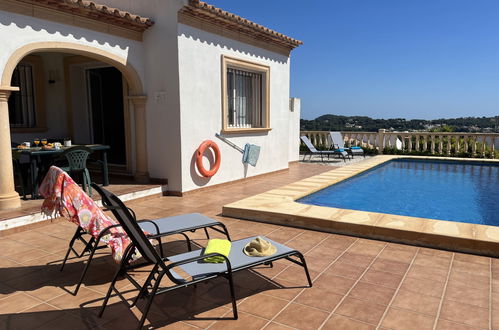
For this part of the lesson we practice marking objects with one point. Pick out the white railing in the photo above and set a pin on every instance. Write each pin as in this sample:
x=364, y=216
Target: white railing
x=483, y=145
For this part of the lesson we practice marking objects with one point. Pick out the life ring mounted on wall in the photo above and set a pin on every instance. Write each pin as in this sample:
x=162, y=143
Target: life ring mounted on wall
x=199, y=158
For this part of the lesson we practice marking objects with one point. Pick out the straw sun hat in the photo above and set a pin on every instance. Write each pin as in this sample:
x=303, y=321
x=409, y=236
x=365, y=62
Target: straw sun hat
x=259, y=248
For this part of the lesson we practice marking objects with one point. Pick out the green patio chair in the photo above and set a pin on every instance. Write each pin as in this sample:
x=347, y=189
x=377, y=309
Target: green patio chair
x=77, y=164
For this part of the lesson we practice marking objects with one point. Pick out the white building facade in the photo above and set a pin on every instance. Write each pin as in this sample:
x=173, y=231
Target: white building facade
x=153, y=79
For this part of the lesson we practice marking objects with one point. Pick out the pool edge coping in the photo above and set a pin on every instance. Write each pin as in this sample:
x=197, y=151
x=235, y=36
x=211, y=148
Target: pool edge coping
x=279, y=206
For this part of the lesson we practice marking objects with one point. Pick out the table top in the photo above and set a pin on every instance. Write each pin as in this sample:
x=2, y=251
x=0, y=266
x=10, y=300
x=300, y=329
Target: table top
x=40, y=151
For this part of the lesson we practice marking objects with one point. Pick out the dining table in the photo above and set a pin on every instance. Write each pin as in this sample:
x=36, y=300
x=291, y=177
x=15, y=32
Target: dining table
x=37, y=155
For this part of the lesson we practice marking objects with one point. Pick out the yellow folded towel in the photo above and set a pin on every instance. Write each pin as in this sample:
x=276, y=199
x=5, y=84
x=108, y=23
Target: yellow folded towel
x=216, y=245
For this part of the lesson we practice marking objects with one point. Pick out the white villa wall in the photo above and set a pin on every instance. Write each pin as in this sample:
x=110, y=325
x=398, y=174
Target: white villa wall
x=201, y=107
x=161, y=68
x=294, y=129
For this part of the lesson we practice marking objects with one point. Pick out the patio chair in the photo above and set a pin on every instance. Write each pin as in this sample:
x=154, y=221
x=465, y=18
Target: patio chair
x=157, y=229
x=77, y=164
x=192, y=263
x=22, y=172
x=338, y=142
x=313, y=151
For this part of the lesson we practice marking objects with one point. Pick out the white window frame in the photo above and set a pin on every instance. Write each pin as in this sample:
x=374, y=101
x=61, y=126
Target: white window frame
x=250, y=67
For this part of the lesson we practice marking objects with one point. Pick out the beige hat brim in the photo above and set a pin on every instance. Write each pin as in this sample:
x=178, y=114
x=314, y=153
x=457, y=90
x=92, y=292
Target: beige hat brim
x=253, y=252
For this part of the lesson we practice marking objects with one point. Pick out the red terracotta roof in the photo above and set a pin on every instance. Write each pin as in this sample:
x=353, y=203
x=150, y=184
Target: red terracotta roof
x=99, y=12
x=243, y=25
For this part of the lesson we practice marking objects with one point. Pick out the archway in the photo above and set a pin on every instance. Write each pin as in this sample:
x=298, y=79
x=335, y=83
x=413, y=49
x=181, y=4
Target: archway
x=8, y=196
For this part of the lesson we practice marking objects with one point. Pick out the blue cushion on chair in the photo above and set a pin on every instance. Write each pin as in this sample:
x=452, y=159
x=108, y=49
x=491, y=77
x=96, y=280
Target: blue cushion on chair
x=355, y=148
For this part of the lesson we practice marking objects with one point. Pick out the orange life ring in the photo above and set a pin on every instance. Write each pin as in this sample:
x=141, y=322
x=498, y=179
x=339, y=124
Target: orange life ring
x=199, y=158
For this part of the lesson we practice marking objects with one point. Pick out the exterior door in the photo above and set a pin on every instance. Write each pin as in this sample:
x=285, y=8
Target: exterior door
x=106, y=115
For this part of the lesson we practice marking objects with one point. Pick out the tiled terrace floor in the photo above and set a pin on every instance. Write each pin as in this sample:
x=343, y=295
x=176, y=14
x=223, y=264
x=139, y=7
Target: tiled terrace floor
x=358, y=283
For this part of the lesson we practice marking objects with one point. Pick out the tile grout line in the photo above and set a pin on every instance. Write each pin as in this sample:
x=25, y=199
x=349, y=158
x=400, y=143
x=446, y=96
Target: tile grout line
x=397, y=289
x=320, y=273
x=443, y=293
x=353, y=285
x=490, y=293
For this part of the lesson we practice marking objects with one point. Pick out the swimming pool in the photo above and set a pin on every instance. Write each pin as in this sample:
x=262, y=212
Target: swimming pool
x=442, y=190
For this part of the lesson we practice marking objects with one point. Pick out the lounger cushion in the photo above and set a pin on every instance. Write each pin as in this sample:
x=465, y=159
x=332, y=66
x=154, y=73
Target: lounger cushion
x=238, y=259
x=178, y=223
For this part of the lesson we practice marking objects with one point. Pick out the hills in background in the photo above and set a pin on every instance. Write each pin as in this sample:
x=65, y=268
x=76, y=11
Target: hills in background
x=368, y=124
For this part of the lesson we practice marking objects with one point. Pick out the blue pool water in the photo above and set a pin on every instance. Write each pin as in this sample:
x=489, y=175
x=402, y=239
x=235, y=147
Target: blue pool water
x=452, y=190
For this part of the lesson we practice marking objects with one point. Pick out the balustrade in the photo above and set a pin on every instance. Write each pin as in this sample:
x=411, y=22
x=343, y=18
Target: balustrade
x=441, y=143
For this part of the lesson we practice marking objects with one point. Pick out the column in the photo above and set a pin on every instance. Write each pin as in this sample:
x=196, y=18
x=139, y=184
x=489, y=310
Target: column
x=9, y=198
x=141, y=168
x=381, y=140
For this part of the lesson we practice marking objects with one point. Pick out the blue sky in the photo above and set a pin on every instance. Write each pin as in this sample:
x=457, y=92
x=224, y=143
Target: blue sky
x=388, y=58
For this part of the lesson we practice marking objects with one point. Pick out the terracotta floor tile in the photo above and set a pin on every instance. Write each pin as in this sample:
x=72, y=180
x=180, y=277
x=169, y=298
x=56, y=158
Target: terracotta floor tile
x=277, y=326
x=448, y=325
x=405, y=320
x=288, y=291
x=464, y=313
x=367, y=247
x=301, y=317
x=423, y=286
x=32, y=318
x=344, y=269
x=338, y=242
x=339, y=322
x=296, y=274
x=389, y=280
x=372, y=292
x=467, y=295
x=473, y=268
x=390, y=266
x=428, y=273
x=245, y=321
x=317, y=264
x=432, y=261
x=335, y=284
x=471, y=258
x=361, y=310
x=468, y=279
x=356, y=259
x=270, y=272
x=17, y=302
x=262, y=306
x=397, y=255
x=319, y=298
x=416, y=302
x=321, y=251
x=495, y=321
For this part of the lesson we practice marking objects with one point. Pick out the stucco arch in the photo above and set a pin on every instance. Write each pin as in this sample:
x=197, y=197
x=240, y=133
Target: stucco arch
x=128, y=71
x=8, y=196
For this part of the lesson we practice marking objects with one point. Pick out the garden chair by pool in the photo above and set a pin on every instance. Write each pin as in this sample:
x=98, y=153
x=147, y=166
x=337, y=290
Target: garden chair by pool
x=156, y=229
x=337, y=142
x=313, y=151
x=192, y=263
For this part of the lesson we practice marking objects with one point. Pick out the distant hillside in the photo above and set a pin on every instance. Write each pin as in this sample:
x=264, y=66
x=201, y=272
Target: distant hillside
x=367, y=124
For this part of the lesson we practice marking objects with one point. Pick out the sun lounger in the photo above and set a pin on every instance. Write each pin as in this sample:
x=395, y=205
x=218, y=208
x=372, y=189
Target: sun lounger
x=190, y=263
x=313, y=151
x=91, y=235
x=337, y=142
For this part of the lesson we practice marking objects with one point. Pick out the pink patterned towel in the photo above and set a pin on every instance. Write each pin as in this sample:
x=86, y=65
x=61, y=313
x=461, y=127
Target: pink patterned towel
x=63, y=197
